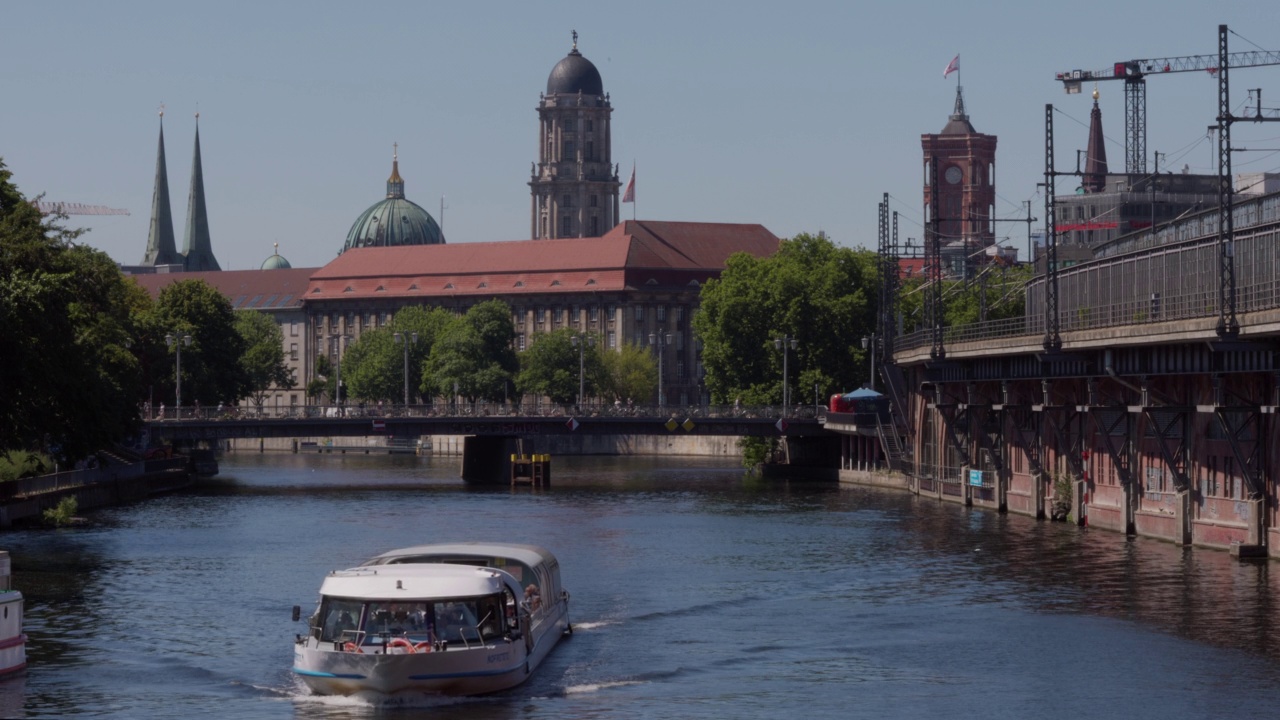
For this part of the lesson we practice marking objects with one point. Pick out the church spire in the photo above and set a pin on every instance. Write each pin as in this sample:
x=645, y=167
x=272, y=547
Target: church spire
x=161, y=249
x=197, y=246
x=1095, y=166
x=395, y=183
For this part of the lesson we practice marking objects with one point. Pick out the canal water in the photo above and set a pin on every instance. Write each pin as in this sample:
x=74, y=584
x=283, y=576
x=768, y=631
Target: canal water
x=697, y=592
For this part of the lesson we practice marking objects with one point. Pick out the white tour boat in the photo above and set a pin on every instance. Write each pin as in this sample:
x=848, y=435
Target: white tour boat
x=453, y=619
x=13, y=642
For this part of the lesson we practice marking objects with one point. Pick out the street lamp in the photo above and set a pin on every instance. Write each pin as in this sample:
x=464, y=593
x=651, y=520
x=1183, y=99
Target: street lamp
x=339, y=342
x=176, y=341
x=870, y=342
x=782, y=344
x=401, y=338
x=661, y=340
x=581, y=342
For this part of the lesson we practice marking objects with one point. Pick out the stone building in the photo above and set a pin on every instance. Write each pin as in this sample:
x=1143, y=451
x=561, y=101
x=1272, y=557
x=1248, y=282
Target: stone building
x=574, y=184
x=966, y=189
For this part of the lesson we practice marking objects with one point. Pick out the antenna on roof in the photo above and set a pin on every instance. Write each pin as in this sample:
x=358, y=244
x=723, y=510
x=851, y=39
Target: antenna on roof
x=575, y=39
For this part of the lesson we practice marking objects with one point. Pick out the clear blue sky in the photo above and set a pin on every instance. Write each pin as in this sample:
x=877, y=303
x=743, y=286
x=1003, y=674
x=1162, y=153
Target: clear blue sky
x=794, y=115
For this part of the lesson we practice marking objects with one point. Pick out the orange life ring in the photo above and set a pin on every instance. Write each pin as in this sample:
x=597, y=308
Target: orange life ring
x=401, y=643
x=424, y=646
x=352, y=647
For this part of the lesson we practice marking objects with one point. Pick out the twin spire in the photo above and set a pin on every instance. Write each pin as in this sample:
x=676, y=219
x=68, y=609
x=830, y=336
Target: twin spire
x=198, y=248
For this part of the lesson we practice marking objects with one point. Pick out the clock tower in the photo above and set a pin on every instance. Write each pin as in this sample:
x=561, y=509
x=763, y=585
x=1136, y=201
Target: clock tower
x=967, y=182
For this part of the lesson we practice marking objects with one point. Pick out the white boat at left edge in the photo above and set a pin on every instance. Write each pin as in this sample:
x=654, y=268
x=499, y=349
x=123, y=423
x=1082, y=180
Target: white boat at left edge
x=13, y=641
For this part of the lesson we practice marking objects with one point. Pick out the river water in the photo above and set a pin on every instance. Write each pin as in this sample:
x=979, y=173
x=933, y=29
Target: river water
x=697, y=592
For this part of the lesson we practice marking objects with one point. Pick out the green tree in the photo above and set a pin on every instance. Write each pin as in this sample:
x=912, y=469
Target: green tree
x=263, y=359
x=811, y=290
x=373, y=367
x=321, y=384
x=68, y=380
x=475, y=354
x=211, y=368
x=629, y=373
x=550, y=367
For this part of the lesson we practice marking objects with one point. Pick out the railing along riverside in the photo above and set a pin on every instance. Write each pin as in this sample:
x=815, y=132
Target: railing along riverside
x=1174, y=281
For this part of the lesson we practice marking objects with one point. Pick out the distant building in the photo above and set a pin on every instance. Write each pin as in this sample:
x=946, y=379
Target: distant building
x=966, y=161
x=574, y=183
x=161, y=249
x=581, y=270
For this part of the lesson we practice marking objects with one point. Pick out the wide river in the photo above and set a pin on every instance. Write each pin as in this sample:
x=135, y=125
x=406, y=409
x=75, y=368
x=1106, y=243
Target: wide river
x=697, y=592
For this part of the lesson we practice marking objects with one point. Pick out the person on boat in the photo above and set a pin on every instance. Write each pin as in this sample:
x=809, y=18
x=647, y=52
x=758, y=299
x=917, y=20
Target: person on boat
x=533, y=597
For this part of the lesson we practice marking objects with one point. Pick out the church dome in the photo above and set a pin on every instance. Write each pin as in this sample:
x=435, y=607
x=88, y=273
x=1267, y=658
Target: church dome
x=394, y=221
x=276, y=261
x=575, y=74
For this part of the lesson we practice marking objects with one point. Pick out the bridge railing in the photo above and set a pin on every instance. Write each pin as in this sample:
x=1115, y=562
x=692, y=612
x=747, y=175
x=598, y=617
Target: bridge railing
x=374, y=411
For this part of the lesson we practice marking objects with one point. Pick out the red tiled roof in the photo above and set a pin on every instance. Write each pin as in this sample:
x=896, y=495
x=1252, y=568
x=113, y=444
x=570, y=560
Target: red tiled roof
x=693, y=251
x=246, y=289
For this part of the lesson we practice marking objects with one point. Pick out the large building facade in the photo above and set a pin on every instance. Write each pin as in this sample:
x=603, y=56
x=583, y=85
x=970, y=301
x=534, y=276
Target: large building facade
x=635, y=283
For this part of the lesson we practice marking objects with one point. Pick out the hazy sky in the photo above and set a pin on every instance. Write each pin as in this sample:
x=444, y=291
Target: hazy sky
x=794, y=115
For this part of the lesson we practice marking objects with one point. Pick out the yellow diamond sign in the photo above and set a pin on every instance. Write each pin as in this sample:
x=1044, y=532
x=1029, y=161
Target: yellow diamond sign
x=687, y=424
x=671, y=425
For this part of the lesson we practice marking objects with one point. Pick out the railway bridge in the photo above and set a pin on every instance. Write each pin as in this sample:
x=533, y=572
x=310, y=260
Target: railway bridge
x=1138, y=393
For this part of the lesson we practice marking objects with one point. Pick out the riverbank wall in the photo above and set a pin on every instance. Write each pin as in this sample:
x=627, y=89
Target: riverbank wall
x=26, y=499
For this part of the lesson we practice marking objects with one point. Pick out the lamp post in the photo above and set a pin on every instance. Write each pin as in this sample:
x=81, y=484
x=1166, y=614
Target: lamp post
x=581, y=342
x=782, y=344
x=405, y=339
x=870, y=342
x=341, y=343
x=660, y=340
x=176, y=341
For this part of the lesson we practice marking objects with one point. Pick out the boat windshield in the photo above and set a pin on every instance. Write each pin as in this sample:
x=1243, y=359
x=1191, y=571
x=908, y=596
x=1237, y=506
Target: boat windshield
x=459, y=621
x=339, y=619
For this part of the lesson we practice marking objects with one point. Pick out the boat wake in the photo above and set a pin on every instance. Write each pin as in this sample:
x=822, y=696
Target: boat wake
x=594, y=625
x=598, y=686
x=379, y=701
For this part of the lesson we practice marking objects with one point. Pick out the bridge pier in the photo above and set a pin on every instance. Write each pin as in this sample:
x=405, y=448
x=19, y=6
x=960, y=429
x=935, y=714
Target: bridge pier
x=486, y=459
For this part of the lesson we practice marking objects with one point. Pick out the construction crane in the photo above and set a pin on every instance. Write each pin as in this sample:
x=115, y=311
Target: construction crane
x=47, y=207
x=1135, y=72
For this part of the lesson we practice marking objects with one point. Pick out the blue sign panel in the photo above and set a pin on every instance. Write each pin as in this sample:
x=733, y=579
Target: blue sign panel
x=975, y=478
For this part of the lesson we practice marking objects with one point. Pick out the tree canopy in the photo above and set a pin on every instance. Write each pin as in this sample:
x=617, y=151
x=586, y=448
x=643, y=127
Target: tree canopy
x=629, y=373
x=550, y=366
x=810, y=290
x=263, y=359
x=68, y=381
x=212, y=372
x=476, y=355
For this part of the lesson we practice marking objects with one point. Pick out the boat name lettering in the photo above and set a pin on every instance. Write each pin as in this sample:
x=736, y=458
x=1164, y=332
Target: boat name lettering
x=499, y=657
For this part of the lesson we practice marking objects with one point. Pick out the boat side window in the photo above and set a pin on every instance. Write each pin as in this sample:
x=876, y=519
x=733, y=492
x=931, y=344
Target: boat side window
x=338, y=616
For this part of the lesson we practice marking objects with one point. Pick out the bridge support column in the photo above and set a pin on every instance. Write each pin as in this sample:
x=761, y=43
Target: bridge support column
x=1037, y=484
x=1182, y=509
x=486, y=459
x=967, y=489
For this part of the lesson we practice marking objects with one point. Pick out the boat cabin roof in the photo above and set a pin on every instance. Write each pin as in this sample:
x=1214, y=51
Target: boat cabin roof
x=530, y=555
x=406, y=582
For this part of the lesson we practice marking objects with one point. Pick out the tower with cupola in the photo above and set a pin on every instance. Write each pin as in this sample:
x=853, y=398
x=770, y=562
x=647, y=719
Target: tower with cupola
x=574, y=185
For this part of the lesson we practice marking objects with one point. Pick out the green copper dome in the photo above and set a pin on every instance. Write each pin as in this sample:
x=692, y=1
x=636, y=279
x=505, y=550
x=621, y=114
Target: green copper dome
x=276, y=261
x=394, y=221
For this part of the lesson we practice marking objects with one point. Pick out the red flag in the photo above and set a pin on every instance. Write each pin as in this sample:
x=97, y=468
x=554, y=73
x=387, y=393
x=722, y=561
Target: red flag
x=953, y=66
x=629, y=195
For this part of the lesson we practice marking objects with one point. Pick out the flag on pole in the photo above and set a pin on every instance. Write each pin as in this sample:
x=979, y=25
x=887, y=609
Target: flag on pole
x=953, y=66
x=629, y=195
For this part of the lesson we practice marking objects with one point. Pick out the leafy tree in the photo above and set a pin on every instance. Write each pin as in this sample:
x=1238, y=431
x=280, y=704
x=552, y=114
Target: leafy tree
x=373, y=367
x=550, y=367
x=810, y=290
x=211, y=368
x=263, y=358
x=68, y=381
x=475, y=354
x=320, y=384
x=629, y=373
